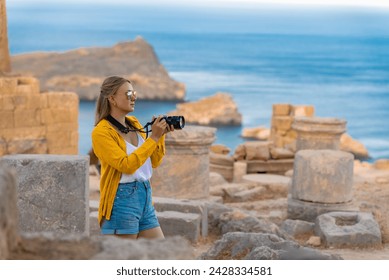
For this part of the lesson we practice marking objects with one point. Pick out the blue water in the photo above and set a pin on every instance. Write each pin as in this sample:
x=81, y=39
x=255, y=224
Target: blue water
x=334, y=59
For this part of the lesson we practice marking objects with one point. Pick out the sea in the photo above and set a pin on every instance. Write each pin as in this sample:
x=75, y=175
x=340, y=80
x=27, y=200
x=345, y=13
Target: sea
x=334, y=58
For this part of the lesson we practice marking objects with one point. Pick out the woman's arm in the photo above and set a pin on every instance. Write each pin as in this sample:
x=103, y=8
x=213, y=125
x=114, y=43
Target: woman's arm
x=159, y=152
x=106, y=146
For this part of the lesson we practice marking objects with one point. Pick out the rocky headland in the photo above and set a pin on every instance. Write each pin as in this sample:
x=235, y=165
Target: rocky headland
x=83, y=70
x=218, y=109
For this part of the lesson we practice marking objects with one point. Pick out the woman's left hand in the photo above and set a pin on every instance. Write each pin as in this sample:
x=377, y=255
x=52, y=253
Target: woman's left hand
x=169, y=128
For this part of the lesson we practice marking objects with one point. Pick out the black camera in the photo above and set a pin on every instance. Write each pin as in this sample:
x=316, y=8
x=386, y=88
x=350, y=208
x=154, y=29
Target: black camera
x=178, y=122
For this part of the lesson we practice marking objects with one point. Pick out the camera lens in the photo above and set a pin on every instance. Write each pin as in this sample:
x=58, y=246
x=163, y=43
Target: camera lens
x=181, y=122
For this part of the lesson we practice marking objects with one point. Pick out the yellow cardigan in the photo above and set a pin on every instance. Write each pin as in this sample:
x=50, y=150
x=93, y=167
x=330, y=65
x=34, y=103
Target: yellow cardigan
x=110, y=148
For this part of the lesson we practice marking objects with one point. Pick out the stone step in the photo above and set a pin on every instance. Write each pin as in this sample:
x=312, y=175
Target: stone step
x=162, y=204
x=183, y=224
x=93, y=205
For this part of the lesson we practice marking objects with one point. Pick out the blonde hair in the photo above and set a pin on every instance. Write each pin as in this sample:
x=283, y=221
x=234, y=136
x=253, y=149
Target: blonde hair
x=109, y=87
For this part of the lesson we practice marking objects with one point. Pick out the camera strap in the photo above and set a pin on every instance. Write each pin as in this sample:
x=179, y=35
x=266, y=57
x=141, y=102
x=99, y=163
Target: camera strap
x=130, y=127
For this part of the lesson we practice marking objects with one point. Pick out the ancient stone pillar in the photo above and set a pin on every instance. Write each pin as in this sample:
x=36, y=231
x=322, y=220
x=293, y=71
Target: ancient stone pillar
x=184, y=172
x=322, y=182
x=8, y=212
x=5, y=62
x=315, y=133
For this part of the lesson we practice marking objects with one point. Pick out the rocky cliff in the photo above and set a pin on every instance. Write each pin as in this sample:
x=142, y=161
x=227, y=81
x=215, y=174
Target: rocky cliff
x=83, y=70
x=218, y=109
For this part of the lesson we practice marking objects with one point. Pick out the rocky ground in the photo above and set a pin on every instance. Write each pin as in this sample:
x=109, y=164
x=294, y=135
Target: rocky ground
x=371, y=194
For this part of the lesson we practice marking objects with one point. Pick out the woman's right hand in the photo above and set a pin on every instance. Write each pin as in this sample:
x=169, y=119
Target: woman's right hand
x=158, y=128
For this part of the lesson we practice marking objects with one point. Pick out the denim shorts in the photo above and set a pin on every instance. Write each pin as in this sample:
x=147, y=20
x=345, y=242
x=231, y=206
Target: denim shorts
x=132, y=211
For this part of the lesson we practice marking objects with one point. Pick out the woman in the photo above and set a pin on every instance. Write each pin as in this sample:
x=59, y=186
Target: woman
x=127, y=159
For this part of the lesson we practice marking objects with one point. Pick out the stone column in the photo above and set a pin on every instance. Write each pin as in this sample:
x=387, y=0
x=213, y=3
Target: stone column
x=314, y=133
x=184, y=172
x=5, y=62
x=8, y=212
x=322, y=182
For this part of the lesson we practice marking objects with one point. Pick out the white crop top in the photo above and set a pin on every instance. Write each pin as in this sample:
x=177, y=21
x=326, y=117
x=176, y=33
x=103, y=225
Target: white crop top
x=144, y=172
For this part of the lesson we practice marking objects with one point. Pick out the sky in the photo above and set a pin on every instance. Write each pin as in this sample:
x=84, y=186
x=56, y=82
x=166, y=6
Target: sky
x=369, y=3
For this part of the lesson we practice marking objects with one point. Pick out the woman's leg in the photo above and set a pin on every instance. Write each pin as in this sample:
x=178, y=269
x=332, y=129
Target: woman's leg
x=153, y=233
x=127, y=236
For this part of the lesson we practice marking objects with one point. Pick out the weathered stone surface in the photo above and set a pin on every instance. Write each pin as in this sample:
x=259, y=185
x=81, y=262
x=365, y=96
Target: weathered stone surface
x=226, y=171
x=382, y=164
x=279, y=166
x=184, y=206
x=8, y=86
x=184, y=172
x=50, y=246
x=216, y=179
x=231, y=189
x=255, y=150
x=183, y=224
x=94, y=228
x=263, y=253
x=308, y=211
x=93, y=205
x=79, y=71
x=8, y=212
x=302, y=110
x=29, y=121
x=281, y=109
x=348, y=144
x=280, y=153
x=282, y=134
x=28, y=146
x=297, y=227
x=215, y=199
x=5, y=62
x=53, y=192
x=3, y=147
x=218, y=109
x=240, y=169
x=217, y=190
x=324, y=176
x=220, y=149
x=315, y=133
x=219, y=159
x=356, y=229
x=240, y=153
x=314, y=241
x=239, y=221
x=276, y=185
x=255, y=193
x=171, y=248
x=259, y=133
x=242, y=245
x=214, y=211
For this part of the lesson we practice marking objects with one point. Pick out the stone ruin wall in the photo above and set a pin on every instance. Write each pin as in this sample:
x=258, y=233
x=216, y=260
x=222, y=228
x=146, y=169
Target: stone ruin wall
x=272, y=156
x=36, y=123
x=282, y=134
